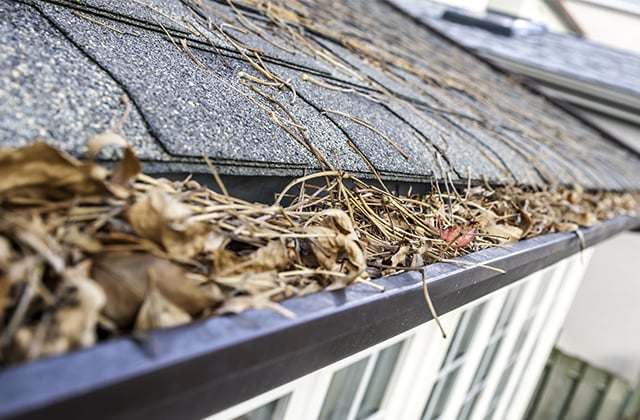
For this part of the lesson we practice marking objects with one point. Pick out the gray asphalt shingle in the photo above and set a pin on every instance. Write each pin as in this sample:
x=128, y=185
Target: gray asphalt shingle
x=441, y=106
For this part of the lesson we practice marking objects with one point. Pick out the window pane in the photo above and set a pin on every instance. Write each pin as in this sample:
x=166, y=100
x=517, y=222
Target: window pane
x=469, y=405
x=342, y=391
x=474, y=316
x=507, y=309
x=444, y=385
x=456, y=354
x=379, y=381
x=491, y=351
x=271, y=411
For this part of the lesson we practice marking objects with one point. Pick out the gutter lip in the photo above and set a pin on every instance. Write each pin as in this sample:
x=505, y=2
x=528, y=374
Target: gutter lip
x=201, y=368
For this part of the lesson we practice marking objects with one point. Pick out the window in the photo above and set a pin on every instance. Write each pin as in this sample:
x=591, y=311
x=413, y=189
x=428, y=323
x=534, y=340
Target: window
x=476, y=373
x=491, y=351
x=453, y=362
x=270, y=411
x=357, y=390
x=379, y=381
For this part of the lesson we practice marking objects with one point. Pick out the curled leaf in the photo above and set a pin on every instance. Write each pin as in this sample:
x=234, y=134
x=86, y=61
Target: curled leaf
x=157, y=311
x=104, y=139
x=40, y=172
x=242, y=303
x=124, y=279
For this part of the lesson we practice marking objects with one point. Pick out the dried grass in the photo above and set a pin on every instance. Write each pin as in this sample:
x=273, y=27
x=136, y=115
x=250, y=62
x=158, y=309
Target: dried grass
x=87, y=254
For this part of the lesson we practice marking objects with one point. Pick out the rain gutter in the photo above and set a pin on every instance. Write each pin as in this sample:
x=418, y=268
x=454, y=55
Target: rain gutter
x=193, y=371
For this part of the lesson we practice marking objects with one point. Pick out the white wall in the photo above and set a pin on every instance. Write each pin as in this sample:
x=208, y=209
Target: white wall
x=620, y=29
x=603, y=324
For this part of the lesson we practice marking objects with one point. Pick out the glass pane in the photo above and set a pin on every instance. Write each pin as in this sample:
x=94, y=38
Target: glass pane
x=501, y=386
x=469, y=405
x=474, y=317
x=543, y=286
x=442, y=388
x=488, y=358
x=522, y=337
x=461, y=342
x=490, y=353
x=271, y=411
x=507, y=309
x=342, y=391
x=379, y=380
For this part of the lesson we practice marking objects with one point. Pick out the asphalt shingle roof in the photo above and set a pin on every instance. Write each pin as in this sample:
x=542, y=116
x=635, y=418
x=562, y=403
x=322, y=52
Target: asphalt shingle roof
x=386, y=88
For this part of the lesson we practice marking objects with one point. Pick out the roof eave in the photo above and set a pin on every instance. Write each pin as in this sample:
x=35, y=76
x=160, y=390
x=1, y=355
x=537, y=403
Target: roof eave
x=593, y=95
x=204, y=367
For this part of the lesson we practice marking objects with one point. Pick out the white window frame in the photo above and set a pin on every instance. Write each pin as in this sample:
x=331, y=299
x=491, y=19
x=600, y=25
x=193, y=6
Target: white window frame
x=522, y=384
x=422, y=355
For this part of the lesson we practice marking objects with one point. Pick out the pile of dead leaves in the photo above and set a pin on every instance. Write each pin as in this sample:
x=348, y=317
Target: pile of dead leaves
x=87, y=253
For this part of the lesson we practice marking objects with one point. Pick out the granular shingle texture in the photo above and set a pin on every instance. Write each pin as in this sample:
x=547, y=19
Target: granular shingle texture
x=276, y=88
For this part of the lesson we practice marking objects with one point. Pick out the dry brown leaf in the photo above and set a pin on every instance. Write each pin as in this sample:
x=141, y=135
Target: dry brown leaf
x=250, y=282
x=242, y=303
x=77, y=323
x=162, y=218
x=40, y=172
x=340, y=221
x=35, y=236
x=124, y=279
x=336, y=252
x=400, y=257
x=186, y=242
x=126, y=169
x=5, y=254
x=5, y=283
x=586, y=219
x=157, y=311
x=565, y=226
x=152, y=212
x=508, y=232
x=70, y=326
x=274, y=256
x=74, y=238
x=104, y=139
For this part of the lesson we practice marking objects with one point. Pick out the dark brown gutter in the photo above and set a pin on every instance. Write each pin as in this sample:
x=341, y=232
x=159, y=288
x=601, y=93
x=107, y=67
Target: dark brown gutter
x=196, y=370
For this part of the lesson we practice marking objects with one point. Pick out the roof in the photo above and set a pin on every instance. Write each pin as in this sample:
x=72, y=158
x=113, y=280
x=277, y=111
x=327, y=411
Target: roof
x=561, y=54
x=399, y=100
x=448, y=111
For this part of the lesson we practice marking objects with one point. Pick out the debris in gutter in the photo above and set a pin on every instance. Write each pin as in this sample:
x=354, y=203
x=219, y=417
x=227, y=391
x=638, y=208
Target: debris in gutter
x=87, y=254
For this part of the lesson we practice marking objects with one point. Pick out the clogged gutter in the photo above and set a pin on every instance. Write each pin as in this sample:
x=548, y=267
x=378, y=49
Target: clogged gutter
x=87, y=254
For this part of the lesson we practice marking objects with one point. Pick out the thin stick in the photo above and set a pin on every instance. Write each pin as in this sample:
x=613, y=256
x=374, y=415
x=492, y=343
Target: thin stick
x=215, y=174
x=167, y=33
x=370, y=127
x=97, y=22
x=193, y=57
